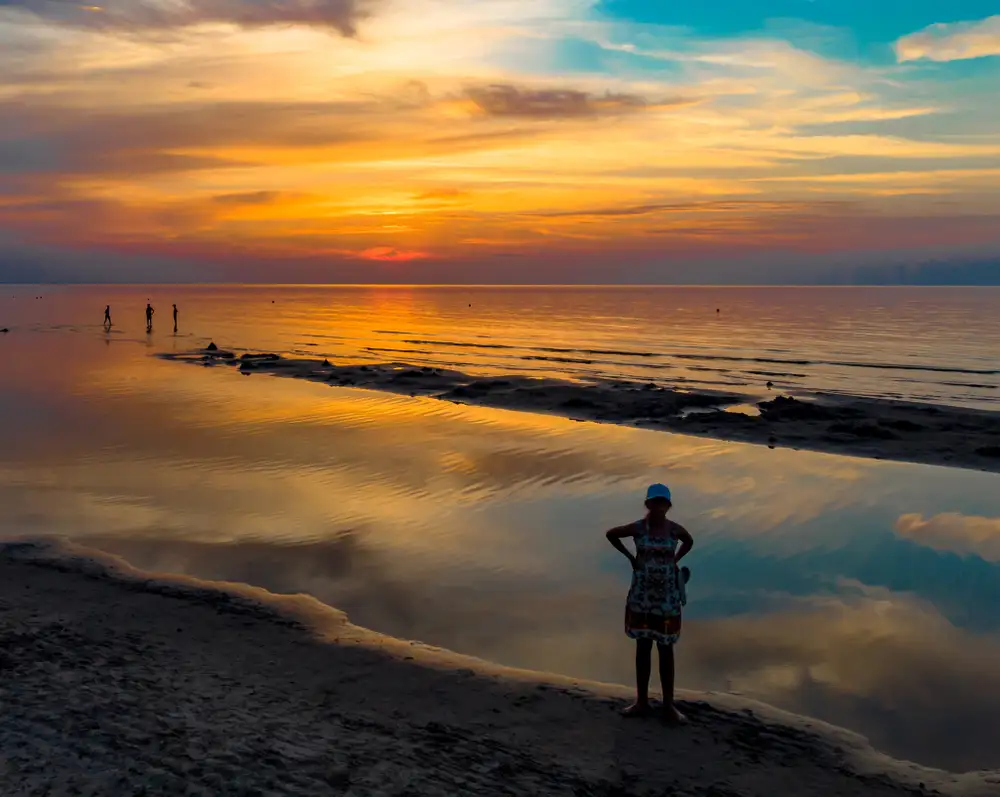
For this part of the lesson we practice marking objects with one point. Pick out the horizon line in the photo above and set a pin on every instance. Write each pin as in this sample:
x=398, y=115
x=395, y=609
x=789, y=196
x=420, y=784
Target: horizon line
x=620, y=285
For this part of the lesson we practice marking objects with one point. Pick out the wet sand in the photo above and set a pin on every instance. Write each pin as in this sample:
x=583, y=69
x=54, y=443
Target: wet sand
x=871, y=428
x=117, y=681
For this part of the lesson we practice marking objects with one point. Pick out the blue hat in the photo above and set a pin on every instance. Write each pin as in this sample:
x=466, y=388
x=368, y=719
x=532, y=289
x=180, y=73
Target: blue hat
x=658, y=491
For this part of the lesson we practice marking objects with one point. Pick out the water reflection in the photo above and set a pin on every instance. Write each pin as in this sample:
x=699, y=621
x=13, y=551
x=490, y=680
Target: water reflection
x=862, y=592
x=953, y=531
x=868, y=658
x=930, y=344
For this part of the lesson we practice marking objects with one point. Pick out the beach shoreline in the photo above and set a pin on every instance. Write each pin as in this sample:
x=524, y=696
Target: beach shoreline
x=852, y=426
x=118, y=680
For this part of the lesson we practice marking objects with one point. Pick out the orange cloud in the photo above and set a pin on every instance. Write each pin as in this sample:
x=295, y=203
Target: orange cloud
x=130, y=15
x=952, y=531
x=413, y=142
x=391, y=254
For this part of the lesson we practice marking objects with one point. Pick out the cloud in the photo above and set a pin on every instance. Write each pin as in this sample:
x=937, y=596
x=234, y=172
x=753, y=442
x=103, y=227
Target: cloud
x=254, y=197
x=925, y=688
x=138, y=15
x=507, y=100
x=20, y=263
x=726, y=206
x=467, y=130
x=130, y=142
x=954, y=41
x=391, y=254
x=952, y=531
x=441, y=194
x=157, y=139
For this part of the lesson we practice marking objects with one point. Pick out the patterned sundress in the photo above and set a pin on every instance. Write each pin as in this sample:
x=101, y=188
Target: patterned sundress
x=653, y=606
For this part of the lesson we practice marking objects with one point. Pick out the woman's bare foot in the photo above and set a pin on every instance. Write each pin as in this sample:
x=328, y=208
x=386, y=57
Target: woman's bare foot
x=671, y=716
x=636, y=710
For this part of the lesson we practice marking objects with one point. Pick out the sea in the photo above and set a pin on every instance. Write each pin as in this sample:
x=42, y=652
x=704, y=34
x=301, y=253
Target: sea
x=862, y=592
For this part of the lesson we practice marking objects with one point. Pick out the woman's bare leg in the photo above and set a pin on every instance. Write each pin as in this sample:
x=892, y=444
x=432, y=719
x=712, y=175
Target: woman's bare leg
x=666, y=656
x=643, y=668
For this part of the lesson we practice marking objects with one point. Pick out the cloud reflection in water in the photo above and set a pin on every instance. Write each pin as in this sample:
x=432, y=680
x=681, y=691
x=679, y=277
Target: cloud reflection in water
x=818, y=584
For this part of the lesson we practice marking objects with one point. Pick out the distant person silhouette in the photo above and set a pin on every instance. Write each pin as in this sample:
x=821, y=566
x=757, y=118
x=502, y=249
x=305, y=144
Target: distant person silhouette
x=175, y=318
x=107, y=315
x=149, y=317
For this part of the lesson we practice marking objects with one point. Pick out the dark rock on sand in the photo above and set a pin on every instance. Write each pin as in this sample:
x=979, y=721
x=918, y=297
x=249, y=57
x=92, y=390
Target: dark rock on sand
x=211, y=347
x=785, y=408
x=261, y=357
x=486, y=385
x=901, y=425
x=717, y=418
x=491, y=384
x=868, y=430
x=578, y=404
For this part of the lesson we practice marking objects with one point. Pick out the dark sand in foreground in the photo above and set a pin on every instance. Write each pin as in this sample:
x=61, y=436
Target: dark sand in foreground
x=872, y=428
x=117, y=681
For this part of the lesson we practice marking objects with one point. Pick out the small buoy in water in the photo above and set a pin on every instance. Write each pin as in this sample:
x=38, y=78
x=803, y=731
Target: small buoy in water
x=770, y=385
x=717, y=309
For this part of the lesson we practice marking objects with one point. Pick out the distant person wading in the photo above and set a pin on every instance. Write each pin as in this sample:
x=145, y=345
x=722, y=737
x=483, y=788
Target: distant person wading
x=149, y=317
x=656, y=597
x=175, y=318
x=107, y=315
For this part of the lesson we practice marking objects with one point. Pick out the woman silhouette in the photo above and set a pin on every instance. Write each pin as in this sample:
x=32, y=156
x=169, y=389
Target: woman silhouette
x=653, y=606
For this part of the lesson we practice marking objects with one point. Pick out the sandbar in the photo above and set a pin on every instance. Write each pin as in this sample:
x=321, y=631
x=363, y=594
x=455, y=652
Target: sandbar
x=854, y=426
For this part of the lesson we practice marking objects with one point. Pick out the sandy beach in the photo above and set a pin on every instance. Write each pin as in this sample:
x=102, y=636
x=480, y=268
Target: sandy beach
x=117, y=681
x=861, y=427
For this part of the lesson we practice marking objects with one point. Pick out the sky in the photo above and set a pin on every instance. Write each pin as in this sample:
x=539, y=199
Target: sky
x=500, y=141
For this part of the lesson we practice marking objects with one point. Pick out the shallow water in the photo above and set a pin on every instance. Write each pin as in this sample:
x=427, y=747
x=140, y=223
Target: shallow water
x=862, y=592
x=925, y=344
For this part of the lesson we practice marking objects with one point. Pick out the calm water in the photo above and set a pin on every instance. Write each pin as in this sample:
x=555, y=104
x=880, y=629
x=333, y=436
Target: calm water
x=927, y=344
x=866, y=593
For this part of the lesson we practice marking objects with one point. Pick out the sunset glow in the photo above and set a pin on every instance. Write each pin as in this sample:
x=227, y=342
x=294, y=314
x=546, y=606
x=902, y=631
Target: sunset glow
x=494, y=141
